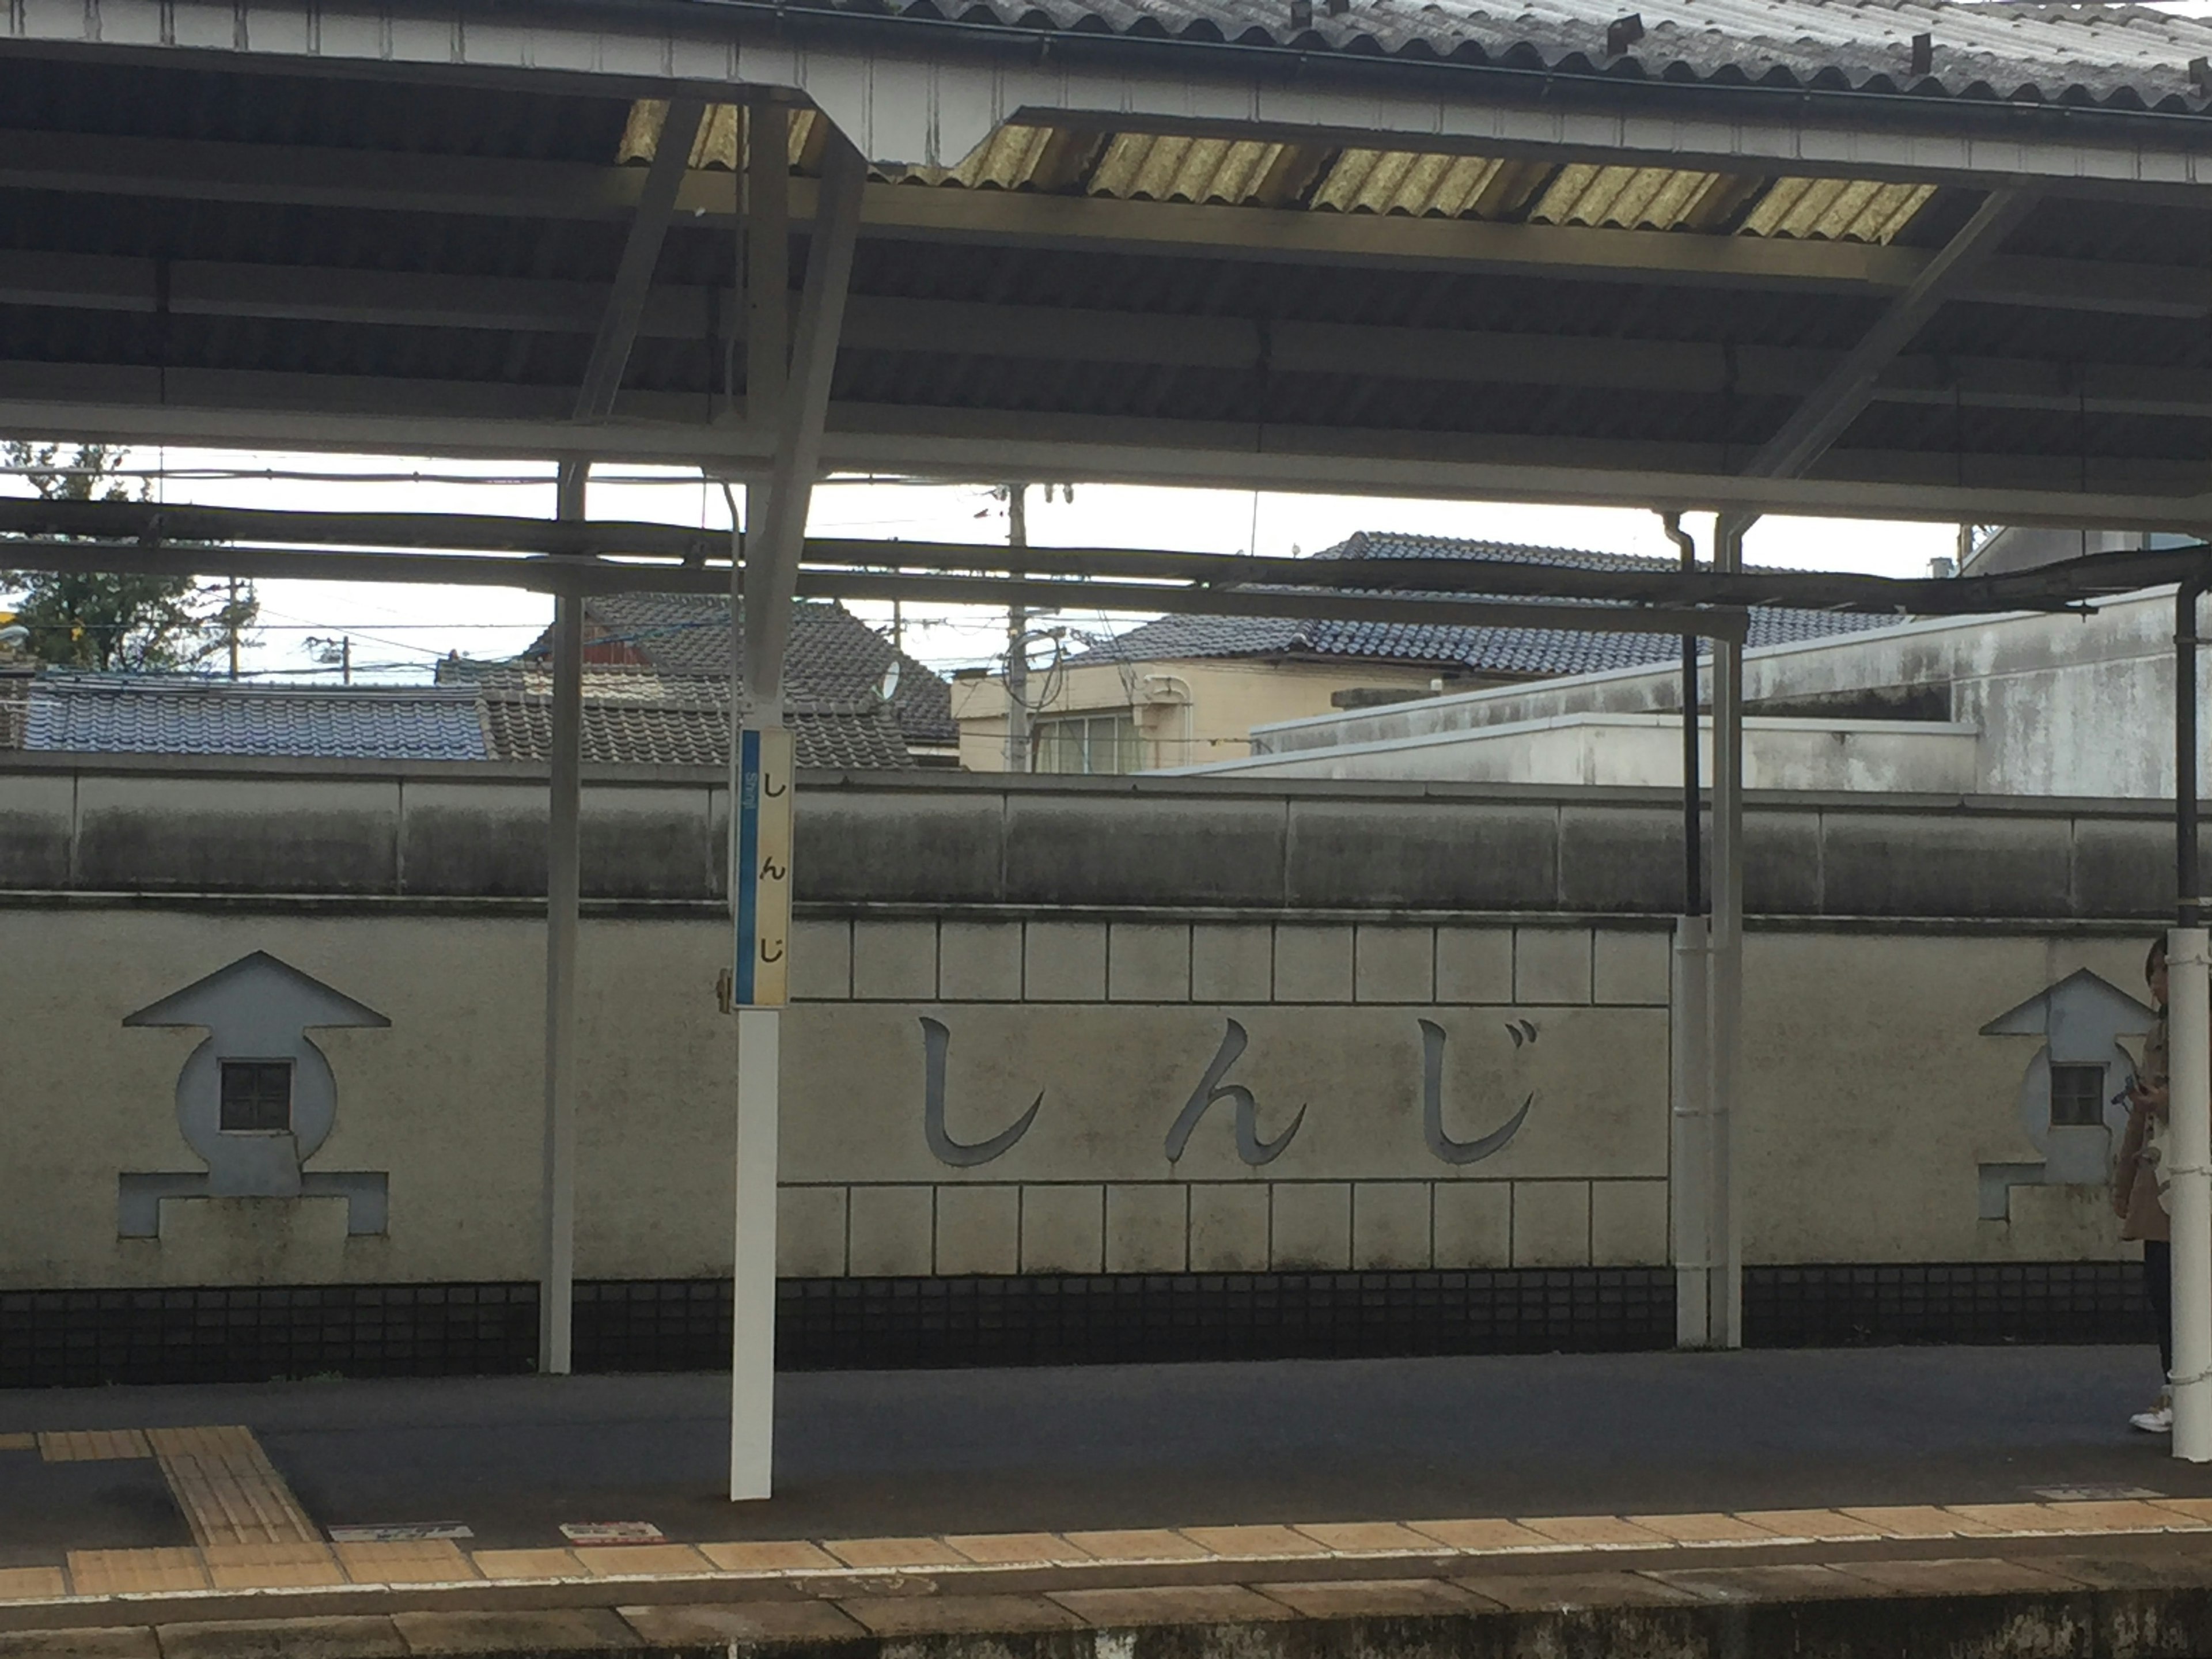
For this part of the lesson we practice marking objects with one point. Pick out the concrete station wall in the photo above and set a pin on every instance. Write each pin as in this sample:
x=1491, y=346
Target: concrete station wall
x=1096, y=959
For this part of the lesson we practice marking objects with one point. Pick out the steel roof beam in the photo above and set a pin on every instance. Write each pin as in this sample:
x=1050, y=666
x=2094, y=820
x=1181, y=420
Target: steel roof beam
x=569, y=575
x=605, y=553
x=478, y=186
x=274, y=410
x=625, y=300
x=882, y=323
x=1826, y=412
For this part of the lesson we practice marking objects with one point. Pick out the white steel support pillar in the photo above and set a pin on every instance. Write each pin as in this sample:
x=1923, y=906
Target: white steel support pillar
x=2189, y=1081
x=1691, y=1153
x=762, y=592
x=1724, y=1018
x=557, y=1278
x=2188, y=1196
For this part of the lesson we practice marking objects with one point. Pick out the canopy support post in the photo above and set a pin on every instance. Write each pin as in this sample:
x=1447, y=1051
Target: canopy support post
x=1724, y=1022
x=563, y=896
x=764, y=582
x=2189, y=1015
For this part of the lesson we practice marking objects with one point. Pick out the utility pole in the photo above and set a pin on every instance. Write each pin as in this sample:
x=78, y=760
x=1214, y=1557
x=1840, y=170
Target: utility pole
x=345, y=658
x=230, y=623
x=1017, y=623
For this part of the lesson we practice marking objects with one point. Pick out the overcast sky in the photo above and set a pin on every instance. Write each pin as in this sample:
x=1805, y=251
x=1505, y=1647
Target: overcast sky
x=398, y=632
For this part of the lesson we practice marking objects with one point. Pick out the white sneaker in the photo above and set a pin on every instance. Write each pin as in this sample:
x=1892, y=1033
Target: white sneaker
x=2159, y=1420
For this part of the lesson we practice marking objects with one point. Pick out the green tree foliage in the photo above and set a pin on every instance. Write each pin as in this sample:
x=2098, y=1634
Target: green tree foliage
x=114, y=621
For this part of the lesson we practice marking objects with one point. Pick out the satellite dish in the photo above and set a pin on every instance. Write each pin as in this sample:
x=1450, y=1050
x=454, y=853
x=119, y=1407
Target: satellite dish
x=888, y=687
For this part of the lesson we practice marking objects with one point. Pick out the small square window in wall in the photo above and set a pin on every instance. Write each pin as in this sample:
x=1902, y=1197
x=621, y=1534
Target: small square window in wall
x=2077, y=1096
x=257, y=1096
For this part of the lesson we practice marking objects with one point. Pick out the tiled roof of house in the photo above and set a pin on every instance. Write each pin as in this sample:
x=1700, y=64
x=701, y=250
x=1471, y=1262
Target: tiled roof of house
x=1531, y=652
x=835, y=660
x=184, y=714
x=642, y=717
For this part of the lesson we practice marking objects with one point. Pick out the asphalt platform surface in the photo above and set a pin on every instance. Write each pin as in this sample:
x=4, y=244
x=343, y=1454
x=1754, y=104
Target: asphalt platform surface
x=863, y=1454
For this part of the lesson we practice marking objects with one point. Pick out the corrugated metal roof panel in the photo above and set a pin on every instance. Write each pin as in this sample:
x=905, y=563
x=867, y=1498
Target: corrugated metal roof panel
x=2117, y=55
x=1836, y=209
x=1635, y=198
x=1401, y=181
x=1252, y=173
x=1143, y=167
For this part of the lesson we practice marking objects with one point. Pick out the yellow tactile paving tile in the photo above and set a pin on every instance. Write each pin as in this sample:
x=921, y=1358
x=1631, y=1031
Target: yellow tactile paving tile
x=1919, y=1520
x=229, y=1490
x=1814, y=1526
x=1252, y=1543
x=642, y=1560
x=419, y=1561
x=2013, y=1520
x=32, y=1584
x=1137, y=1544
x=18, y=1442
x=93, y=1445
x=126, y=1572
x=789, y=1555
x=1015, y=1549
x=1368, y=1538
x=271, y=1566
x=1704, y=1528
x=1600, y=1532
x=1483, y=1537
x=895, y=1553
x=528, y=1563
x=2119, y=1515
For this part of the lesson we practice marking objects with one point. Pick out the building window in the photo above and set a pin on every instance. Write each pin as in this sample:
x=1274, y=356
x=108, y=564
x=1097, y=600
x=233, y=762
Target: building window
x=2077, y=1096
x=1091, y=743
x=257, y=1096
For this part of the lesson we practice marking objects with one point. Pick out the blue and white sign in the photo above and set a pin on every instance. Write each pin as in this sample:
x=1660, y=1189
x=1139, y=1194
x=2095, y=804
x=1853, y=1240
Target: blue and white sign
x=763, y=868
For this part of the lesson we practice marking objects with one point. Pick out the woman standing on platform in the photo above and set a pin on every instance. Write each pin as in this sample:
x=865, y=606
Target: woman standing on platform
x=2139, y=1181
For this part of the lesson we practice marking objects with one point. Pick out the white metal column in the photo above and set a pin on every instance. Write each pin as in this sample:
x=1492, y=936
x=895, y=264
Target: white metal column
x=762, y=592
x=1690, y=1154
x=564, y=892
x=1724, y=1307
x=2189, y=1081
x=2189, y=1196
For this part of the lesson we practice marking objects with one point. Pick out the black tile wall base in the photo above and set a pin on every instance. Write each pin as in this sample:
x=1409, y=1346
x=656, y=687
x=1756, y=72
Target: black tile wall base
x=64, y=1338
x=1976, y=1303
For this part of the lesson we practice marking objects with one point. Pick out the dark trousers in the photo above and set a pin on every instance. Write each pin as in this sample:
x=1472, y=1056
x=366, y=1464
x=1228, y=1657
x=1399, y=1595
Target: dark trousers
x=2158, y=1282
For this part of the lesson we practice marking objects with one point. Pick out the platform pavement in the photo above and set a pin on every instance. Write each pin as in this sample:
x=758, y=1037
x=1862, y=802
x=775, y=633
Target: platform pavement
x=918, y=1504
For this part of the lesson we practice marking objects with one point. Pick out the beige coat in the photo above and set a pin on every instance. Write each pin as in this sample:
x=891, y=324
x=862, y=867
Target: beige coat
x=2135, y=1173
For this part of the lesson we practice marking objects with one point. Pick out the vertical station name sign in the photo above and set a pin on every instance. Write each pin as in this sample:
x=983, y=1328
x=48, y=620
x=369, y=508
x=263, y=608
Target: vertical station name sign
x=762, y=971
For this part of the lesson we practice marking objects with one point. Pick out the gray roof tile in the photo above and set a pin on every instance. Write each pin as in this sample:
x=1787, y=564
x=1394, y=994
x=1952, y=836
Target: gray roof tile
x=642, y=717
x=1532, y=652
x=181, y=714
x=834, y=657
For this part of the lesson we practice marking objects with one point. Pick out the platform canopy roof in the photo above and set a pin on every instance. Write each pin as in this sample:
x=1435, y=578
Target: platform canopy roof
x=1933, y=258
